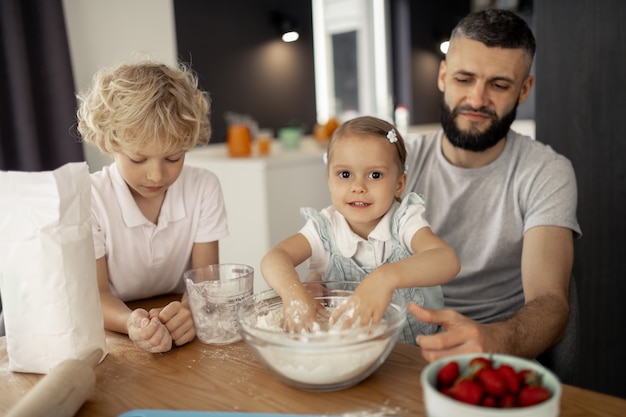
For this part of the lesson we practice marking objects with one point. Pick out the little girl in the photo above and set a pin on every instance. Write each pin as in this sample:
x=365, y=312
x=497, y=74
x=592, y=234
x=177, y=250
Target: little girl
x=153, y=218
x=369, y=234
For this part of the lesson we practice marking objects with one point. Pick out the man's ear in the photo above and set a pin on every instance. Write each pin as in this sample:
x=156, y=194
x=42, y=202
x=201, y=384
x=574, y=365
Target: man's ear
x=526, y=87
x=442, y=75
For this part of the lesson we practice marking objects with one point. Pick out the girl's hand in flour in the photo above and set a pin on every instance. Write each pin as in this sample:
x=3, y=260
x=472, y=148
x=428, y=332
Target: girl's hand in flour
x=300, y=314
x=148, y=333
x=365, y=306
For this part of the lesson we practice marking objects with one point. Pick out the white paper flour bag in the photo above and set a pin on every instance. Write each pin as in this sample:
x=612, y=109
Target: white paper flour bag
x=48, y=279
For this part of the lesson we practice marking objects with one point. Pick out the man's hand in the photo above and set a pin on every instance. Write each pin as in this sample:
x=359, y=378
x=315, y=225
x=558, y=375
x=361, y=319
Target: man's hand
x=148, y=333
x=461, y=335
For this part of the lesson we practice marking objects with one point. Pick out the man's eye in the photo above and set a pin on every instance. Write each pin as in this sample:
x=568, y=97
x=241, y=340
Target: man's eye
x=376, y=175
x=344, y=174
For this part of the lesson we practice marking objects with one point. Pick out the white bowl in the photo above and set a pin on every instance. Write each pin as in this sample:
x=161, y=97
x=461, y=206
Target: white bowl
x=440, y=405
x=323, y=360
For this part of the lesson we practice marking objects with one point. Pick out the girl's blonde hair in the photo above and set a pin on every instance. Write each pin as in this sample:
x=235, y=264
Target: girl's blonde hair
x=133, y=105
x=371, y=126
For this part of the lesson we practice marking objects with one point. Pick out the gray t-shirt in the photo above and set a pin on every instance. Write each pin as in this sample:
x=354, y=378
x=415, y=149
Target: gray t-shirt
x=483, y=214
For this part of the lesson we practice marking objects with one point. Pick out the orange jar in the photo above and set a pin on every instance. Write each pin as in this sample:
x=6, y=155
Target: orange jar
x=239, y=141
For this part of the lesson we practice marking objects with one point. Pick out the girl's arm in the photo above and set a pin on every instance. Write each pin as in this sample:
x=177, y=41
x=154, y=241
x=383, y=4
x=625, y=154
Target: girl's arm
x=278, y=267
x=434, y=262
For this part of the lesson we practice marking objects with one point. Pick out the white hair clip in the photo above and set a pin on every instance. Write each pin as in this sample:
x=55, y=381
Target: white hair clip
x=391, y=135
x=325, y=157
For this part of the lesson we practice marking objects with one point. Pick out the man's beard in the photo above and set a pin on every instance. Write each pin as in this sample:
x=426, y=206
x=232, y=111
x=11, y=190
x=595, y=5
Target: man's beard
x=473, y=140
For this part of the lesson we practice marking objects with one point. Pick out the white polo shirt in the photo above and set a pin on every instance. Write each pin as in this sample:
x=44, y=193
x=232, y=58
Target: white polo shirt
x=368, y=253
x=146, y=259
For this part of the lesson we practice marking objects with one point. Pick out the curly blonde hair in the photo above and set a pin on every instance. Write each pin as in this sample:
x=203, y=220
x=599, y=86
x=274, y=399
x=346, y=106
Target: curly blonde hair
x=132, y=105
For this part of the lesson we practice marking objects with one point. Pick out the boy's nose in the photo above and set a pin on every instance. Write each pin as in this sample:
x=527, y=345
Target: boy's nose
x=154, y=174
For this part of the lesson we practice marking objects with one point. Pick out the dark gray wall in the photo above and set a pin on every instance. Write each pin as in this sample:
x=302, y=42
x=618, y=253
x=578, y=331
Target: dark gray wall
x=580, y=110
x=244, y=65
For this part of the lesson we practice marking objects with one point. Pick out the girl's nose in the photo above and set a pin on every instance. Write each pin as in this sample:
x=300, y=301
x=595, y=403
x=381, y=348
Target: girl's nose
x=357, y=186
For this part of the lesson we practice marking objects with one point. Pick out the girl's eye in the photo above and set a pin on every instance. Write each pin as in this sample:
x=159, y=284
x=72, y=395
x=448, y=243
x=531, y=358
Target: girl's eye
x=344, y=174
x=376, y=175
x=136, y=161
x=173, y=160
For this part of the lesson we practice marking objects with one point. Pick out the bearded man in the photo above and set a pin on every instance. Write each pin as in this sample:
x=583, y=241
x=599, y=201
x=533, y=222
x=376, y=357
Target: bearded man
x=505, y=203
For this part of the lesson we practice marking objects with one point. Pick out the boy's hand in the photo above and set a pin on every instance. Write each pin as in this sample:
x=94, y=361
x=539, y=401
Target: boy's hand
x=148, y=333
x=178, y=322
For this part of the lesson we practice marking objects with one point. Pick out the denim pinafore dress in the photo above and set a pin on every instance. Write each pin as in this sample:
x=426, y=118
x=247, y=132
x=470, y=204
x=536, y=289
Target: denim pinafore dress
x=341, y=268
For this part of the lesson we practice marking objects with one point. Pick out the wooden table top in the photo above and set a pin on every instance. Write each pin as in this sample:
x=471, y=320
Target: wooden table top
x=229, y=378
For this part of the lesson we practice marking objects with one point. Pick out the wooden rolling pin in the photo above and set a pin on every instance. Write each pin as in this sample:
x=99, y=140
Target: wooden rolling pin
x=62, y=391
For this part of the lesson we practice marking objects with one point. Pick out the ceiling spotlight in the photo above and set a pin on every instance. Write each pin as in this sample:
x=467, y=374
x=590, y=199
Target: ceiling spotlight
x=443, y=47
x=290, y=36
x=285, y=26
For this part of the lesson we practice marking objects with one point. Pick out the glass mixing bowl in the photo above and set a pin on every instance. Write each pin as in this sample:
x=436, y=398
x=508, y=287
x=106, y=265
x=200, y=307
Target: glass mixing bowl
x=321, y=360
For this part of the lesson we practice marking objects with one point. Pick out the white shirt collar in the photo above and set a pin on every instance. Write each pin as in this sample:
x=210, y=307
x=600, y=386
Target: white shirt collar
x=347, y=241
x=171, y=210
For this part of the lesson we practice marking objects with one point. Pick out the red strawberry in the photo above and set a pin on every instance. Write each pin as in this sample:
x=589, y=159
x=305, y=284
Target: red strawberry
x=512, y=379
x=467, y=391
x=529, y=377
x=447, y=391
x=476, y=364
x=481, y=361
x=448, y=374
x=489, y=401
x=531, y=395
x=508, y=401
x=492, y=382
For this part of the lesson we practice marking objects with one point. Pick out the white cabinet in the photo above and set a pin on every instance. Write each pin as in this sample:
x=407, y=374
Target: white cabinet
x=263, y=197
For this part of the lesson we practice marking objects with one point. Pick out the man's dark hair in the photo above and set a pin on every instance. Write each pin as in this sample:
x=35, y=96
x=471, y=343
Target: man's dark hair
x=496, y=28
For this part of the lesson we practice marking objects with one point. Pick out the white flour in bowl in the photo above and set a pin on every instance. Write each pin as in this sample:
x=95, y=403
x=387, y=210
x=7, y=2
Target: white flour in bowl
x=318, y=361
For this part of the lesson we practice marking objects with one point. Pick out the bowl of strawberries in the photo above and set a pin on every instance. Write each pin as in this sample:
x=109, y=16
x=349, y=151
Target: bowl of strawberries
x=487, y=385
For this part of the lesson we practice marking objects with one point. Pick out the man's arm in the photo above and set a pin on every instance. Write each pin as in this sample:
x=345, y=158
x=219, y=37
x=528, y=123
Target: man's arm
x=547, y=260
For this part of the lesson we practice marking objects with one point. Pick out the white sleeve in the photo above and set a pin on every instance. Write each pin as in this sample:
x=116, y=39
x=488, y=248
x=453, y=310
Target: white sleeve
x=213, y=222
x=319, y=256
x=412, y=221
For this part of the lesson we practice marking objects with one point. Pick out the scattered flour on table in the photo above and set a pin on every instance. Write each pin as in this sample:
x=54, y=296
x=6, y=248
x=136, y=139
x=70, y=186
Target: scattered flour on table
x=383, y=411
x=310, y=365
